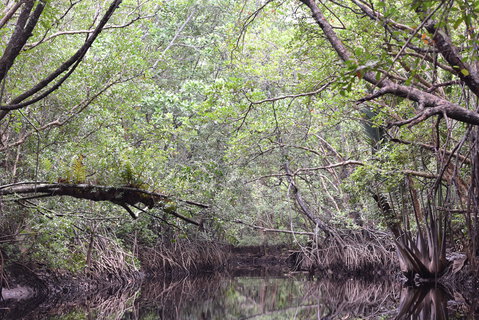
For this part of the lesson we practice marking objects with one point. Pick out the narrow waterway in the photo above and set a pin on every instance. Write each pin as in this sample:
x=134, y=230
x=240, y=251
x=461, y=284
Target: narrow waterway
x=247, y=297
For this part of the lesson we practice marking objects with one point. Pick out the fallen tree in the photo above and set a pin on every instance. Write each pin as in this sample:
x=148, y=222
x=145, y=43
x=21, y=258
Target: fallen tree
x=123, y=196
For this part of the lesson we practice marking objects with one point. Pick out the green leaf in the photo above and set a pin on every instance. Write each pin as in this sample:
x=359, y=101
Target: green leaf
x=465, y=72
x=458, y=22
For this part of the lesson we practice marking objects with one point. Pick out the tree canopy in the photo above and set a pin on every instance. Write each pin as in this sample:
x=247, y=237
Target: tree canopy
x=294, y=116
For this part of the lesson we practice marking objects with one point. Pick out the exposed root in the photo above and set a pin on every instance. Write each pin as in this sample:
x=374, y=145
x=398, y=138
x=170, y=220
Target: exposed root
x=112, y=261
x=183, y=256
x=351, y=250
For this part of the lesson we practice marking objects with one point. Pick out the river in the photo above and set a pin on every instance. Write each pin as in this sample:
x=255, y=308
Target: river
x=260, y=298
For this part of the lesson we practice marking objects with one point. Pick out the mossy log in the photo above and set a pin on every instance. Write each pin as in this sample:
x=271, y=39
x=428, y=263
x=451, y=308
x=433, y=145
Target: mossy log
x=122, y=196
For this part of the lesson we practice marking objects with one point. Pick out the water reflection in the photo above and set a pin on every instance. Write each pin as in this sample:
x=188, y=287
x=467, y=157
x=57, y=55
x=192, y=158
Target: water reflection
x=262, y=298
x=423, y=303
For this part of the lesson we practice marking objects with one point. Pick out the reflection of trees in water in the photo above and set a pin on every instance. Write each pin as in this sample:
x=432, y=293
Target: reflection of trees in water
x=111, y=303
x=118, y=305
x=433, y=302
x=423, y=303
x=167, y=299
x=354, y=298
x=273, y=298
x=217, y=297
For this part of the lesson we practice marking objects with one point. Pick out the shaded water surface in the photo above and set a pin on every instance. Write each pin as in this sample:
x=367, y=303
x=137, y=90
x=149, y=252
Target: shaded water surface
x=258, y=298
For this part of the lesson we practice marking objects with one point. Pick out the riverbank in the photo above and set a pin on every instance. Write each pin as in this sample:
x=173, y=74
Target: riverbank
x=35, y=288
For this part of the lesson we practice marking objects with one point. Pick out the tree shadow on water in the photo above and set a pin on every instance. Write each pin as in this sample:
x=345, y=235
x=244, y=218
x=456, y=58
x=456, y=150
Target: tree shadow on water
x=425, y=302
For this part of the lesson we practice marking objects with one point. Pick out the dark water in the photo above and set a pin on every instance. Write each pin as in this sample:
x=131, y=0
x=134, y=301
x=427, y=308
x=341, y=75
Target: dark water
x=258, y=298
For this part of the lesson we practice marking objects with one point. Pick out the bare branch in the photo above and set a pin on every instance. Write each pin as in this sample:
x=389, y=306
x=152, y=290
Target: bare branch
x=420, y=174
x=331, y=166
x=425, y=114
x=8, y=14
x=444, y=84
x=426, y=57
x=175, y=37
x=294, y=96
x=30, y=46
x=376, y=15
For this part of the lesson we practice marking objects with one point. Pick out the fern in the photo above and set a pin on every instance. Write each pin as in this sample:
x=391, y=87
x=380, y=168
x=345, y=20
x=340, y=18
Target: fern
x=127, y=173
x=78, y=170
x=131, y=177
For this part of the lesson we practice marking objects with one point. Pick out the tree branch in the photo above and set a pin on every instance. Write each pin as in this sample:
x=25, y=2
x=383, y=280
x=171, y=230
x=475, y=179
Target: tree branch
x=451, y=54
x=74, y=111
x=23, y=30
x=122, y=196
x=302, y=204
x=293, y=96
x=331, y=166
x=29, y=46
x=387, y=86
x=71, y=64
x=9, y=13
x=433, y=148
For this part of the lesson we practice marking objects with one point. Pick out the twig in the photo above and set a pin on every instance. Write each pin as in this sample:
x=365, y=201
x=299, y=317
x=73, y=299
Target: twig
x=331, y=166
x=294, y=96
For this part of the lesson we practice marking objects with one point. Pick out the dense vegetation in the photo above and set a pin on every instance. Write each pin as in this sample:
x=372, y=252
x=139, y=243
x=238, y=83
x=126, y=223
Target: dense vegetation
x=210, y=120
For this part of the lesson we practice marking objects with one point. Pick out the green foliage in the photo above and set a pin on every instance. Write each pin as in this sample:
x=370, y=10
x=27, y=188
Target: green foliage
x=53, y=243
x=169, y=103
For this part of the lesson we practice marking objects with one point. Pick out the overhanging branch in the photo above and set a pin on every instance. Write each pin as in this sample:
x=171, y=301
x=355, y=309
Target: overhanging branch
x=387, y=86
x=122, y=196
x=68, y=67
